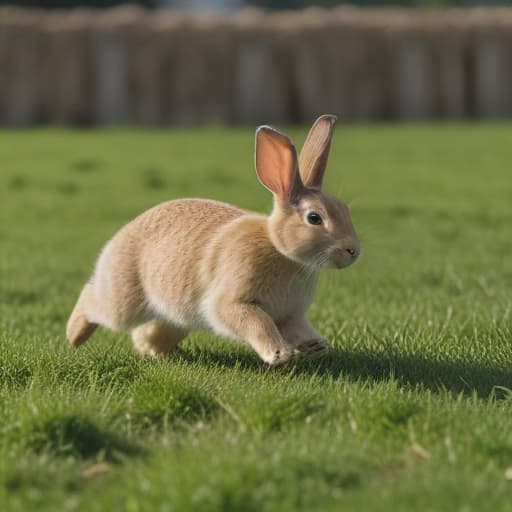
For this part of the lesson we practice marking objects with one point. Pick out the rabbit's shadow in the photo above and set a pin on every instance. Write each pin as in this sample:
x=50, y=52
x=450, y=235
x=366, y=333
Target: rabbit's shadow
x=410, y=370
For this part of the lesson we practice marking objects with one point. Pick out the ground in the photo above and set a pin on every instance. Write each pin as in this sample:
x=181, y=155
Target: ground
x=410, y=411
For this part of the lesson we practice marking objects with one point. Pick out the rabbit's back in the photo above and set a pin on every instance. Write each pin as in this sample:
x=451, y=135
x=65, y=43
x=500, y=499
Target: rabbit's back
x=152, y=265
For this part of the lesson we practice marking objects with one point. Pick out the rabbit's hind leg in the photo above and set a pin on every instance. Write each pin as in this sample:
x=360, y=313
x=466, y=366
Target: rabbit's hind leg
x=79, y=327
x=157, y=338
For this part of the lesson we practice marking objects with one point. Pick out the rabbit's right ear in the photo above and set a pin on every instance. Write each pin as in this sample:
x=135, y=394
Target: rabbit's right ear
x=276, y=164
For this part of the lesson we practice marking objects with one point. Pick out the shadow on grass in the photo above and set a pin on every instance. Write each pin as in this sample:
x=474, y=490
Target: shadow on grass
x=80, y=437
x=467, y=377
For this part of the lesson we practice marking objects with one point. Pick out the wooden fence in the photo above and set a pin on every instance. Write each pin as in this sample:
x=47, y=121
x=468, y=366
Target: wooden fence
x=157, y=67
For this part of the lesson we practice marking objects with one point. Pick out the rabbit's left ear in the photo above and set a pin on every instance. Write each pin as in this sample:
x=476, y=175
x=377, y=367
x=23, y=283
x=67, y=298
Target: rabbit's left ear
x=315, y=151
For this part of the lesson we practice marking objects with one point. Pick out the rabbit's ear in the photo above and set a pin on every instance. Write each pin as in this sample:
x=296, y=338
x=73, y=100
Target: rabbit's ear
x=276, y=163
x=315, y=151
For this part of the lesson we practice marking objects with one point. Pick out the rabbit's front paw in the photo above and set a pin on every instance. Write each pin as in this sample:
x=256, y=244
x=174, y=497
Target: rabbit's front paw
x=313, y=348
x=279, y=356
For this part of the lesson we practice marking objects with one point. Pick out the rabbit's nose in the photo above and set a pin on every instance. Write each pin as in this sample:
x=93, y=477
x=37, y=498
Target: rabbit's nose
x=351, y=251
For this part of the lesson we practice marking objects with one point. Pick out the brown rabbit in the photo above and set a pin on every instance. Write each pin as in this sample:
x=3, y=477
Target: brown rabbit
x=200, y=264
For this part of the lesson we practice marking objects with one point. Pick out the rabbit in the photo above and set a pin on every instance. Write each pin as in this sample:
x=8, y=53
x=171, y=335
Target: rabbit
x=190, y=264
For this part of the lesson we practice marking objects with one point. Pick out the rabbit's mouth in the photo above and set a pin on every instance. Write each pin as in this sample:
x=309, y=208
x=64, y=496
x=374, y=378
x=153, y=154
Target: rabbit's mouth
x=343, y=257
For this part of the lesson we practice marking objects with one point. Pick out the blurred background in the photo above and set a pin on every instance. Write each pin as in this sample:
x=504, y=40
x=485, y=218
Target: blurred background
x=227, y=5
x=163, y=62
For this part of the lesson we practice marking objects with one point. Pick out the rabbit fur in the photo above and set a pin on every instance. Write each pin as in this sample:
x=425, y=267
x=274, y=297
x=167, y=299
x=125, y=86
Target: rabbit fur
x=191, y=264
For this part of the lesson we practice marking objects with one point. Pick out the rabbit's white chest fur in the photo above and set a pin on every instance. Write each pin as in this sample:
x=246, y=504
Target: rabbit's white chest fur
x=281, y=306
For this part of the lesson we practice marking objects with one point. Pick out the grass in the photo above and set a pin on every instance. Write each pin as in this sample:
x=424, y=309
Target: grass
x=410, y=411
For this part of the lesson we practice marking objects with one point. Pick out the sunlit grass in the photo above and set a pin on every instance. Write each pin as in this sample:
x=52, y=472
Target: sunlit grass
x=411, y=410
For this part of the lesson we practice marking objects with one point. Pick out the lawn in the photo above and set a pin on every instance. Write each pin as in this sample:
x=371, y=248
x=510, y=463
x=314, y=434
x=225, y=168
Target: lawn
x=412, y=408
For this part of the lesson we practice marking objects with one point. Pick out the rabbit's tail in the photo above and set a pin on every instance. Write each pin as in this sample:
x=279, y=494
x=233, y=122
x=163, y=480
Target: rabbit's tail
x=79, y=329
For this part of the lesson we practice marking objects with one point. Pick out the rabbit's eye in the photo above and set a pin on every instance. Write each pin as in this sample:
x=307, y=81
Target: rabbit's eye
x=314, y=218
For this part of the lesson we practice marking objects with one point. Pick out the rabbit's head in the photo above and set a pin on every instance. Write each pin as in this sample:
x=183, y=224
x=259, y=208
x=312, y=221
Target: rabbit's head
x=306, y=225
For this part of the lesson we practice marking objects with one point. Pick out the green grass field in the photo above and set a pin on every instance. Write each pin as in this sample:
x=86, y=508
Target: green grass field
x=411, y=410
